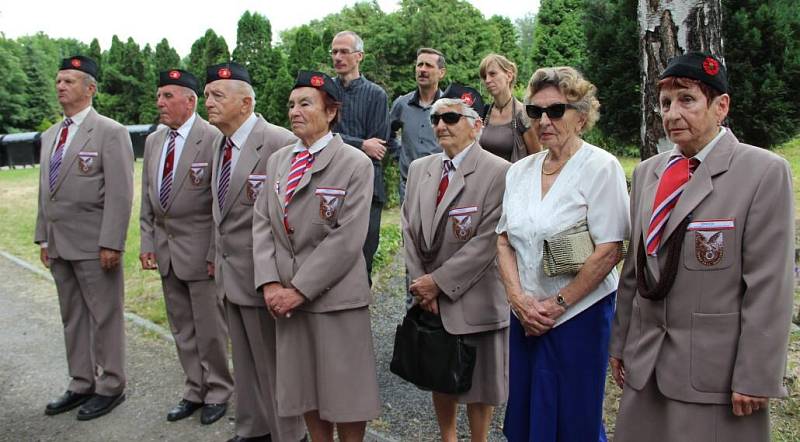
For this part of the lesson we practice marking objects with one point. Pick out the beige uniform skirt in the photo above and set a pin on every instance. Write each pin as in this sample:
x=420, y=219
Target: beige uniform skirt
x=326, y=362
x=648, y=415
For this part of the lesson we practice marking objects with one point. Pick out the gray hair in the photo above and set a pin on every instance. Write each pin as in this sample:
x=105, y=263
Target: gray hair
x=358, y=43
x=466, y=110
x=246, y=90
x=89, y=80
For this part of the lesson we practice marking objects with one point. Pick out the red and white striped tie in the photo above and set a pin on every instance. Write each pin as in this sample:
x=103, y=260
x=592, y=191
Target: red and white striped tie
x=166, y=175
x=225, y=173
x=302, y=161
x=673, y=181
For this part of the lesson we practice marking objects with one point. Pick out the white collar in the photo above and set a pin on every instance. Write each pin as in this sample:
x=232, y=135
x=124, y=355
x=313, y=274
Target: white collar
x=316, y=147
x=240, y=136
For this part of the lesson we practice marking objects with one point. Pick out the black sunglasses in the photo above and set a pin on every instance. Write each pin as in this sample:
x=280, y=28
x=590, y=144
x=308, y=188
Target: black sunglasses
x=450, y=118
x=553, y=111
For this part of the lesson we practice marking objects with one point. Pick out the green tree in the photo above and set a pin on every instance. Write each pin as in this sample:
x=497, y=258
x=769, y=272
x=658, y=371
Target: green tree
x=559, y=37
x=763, y=61
x=127, y=87
x=95, y=53
x=254, y=51
x=525, y=29
x=40, y=61
x=13, y=82
x=208, y=50
x=165, y=57
x=612, y=64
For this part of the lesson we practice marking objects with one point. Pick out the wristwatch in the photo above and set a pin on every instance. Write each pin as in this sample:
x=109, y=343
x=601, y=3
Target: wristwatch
x=561, y=301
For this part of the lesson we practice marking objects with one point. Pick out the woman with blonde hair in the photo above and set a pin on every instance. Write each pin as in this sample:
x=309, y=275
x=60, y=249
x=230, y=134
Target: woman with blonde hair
x=507, y=131
x=559, y=334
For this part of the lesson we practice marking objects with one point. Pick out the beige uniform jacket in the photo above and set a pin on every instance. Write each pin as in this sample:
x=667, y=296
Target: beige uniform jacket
x=90, y=206
x=473, y=298
x=234, y=223
x=724, y=325
x=329, y=213
x=180, y=233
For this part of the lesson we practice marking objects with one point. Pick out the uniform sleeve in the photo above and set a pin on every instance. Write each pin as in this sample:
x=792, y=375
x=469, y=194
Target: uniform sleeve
x=344, y=245
x=502, y=223
x=146, y=214
x=412, y=259
x=768, y=275
x=607, y=202
x=118, y=179
x=468, y=265
x=265, y=265
x=40, y=233
x=627, y=282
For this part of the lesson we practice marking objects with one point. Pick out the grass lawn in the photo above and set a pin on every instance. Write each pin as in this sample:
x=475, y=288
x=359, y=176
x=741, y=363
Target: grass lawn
x=18, y=203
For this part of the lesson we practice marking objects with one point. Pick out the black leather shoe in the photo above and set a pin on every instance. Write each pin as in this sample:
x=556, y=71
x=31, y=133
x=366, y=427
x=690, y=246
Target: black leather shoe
x=182, y=410
x=212, y=412
x=66, y=402
x=265, y=438
x=99, y=405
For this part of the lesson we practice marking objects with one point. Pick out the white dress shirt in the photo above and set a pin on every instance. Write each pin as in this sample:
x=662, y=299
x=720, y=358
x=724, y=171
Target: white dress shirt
x=591, y=186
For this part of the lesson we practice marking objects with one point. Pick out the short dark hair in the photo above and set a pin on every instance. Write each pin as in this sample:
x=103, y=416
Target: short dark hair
x=686, y=82
x=440, y=63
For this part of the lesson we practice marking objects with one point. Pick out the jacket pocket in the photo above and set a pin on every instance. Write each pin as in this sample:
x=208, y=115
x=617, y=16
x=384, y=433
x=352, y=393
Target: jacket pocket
x=714, y=343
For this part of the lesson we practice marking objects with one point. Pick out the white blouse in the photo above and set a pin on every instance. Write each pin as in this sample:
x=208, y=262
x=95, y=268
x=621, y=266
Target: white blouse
x=591, y=186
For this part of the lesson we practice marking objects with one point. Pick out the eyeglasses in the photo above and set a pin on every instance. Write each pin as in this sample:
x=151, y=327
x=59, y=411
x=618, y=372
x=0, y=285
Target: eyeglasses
x=554, y=111
x=449, y=118
x=343, y=51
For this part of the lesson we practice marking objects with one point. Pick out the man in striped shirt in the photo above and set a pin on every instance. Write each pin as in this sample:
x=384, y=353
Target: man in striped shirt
x=363, y=123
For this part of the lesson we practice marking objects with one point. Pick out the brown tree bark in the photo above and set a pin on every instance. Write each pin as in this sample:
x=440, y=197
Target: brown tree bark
x=668, y=28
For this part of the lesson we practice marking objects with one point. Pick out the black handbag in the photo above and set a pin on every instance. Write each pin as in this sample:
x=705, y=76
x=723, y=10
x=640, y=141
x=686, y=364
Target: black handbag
x=427, y=355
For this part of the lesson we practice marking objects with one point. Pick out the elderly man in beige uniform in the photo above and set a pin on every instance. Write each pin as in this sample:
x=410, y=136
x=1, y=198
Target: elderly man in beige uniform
x=176, y=225
x=240, y=161
x=85, y=195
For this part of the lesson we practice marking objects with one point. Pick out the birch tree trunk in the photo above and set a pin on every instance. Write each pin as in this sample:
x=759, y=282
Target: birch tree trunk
x=668, y=28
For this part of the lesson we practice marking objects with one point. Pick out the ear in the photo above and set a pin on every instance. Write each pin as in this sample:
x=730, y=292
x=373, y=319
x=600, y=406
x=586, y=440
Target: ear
x=331, y=114
x=722, y=106
x=248, y=102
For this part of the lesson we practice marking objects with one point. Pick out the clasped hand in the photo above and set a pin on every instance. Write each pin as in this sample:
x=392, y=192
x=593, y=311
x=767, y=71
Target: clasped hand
x=536, y=317
x=282, y=301
x=426, y=292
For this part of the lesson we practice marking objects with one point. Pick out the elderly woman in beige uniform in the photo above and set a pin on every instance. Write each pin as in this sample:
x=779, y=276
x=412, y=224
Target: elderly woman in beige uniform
x=308, y=231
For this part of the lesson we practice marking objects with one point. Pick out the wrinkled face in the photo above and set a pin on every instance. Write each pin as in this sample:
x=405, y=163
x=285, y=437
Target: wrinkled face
x=556, y=132
x=307, y=114
x=455, y=137
x=72, y=89
x=344, y=55
x=496, y=79
x=427, y=70
x=689, y=120
x=223, y=103
x=175, y=105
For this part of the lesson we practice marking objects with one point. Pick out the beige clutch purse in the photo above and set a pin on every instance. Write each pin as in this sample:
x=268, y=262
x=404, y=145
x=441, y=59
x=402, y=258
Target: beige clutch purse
x=566, y=251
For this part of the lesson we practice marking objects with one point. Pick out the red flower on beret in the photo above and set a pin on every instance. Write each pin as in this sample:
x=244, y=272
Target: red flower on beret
x=466, y=97
x=224, y=73
x=174, y=75
x=711, y=66
x=317, y=81
x=76, y=63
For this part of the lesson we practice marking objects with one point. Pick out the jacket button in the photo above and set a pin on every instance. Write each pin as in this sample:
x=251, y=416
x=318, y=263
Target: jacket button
x=170, y=236
x=225, y=256
x=291, y=230
x=662, y=327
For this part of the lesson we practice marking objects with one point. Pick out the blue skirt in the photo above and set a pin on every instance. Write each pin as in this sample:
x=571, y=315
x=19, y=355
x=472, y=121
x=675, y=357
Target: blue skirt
x=557, y=380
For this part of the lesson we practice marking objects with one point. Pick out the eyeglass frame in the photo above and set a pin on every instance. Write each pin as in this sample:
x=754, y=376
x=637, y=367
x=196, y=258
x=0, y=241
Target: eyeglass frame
x=435, y=118
x=532, y=109
x=334, y=51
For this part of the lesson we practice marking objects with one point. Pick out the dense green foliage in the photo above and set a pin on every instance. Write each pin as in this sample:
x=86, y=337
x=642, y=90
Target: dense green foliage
x=599, y=37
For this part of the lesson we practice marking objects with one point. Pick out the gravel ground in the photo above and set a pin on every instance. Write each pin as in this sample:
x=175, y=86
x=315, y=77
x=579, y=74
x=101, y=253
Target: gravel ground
x=408, y=412
x=33, y=371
